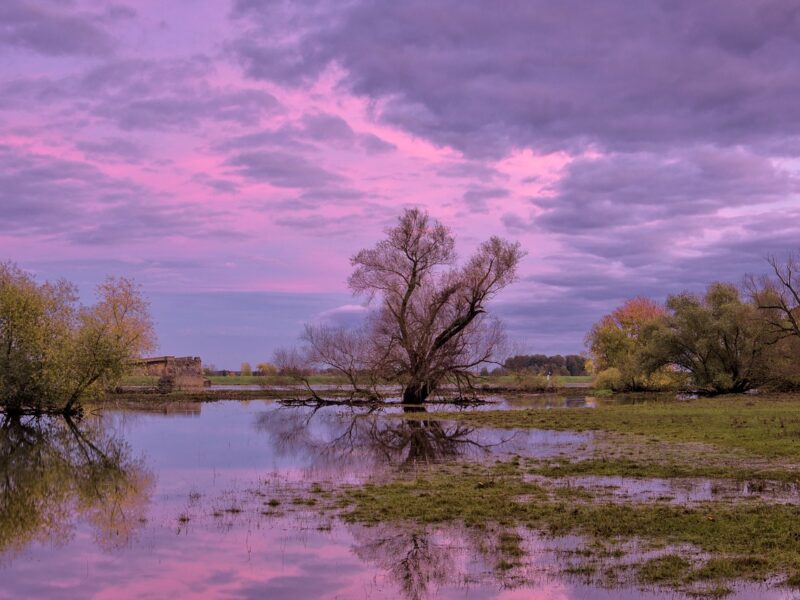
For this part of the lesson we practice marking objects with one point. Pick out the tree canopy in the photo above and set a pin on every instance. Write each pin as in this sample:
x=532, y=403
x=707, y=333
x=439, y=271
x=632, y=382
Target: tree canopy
x=55, y=352
x=619, y=342
x=717, y=337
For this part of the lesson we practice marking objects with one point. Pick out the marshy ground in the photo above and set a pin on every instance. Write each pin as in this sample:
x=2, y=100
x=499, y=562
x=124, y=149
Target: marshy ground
x=529, y=496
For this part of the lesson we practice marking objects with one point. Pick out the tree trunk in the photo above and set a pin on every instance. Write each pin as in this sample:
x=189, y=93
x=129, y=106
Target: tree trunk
x=416, y=392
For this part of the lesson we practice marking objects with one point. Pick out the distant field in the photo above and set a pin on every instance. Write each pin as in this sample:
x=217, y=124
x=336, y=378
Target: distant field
x=511, y=380
x=241, y=380
x=272, y=380
x=504, y=380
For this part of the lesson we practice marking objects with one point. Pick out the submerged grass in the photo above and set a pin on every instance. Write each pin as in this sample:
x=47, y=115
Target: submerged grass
x=746, y=438
x=738, y=541
x=643, y=467
x=767, y=426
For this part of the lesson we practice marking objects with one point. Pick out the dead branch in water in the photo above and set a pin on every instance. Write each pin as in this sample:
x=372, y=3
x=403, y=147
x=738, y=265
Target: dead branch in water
x=317, y=401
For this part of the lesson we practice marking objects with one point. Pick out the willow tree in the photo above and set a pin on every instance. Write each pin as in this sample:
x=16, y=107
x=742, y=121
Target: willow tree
x=717, y=337
x=55, y=352
x=430, y=324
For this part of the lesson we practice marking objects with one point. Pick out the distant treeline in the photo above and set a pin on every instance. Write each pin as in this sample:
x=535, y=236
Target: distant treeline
x=541, y=364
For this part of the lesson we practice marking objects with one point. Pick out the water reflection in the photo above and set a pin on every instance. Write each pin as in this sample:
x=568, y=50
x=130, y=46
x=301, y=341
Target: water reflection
x=677, y=490
x=352, y=437
x=429, y=562
x=411, y=558
x=54, y=472
x=198, y=515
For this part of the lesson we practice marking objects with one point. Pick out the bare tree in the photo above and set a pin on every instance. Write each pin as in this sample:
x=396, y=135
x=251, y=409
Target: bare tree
x=430, y=325
x=351, y=352
x=778, y=296
x=295, y=363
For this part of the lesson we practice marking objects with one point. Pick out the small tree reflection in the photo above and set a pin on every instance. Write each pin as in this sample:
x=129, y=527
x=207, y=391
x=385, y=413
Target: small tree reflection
x=413, y=560
x=54, y=471
x=420, y=560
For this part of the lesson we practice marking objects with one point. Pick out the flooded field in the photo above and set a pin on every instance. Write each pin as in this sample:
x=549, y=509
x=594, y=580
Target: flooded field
x=239, y=500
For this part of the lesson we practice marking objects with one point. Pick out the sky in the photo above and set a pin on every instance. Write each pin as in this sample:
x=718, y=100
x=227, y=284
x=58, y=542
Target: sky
x=232, y=155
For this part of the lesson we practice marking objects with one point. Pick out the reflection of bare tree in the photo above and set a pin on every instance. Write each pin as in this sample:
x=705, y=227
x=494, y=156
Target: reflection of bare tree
x=410, y=557
x=419, y=560
x=422, y=441
x=52, y=471
x=339, y=436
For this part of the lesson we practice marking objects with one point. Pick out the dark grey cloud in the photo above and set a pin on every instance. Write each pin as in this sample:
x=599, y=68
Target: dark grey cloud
x=41, y=192
x=184, y=110
x=217, y=184
x=312, y=132
x=372, y=144
x=76, y=201
x=284, y=157
x=564, y=75
x=30, y=91
x=57, y=28
x=342, y=225
x=141, y=94
x=468, y=169
x=113, y=149
x=641, y=209
x=640, y=189
x=332, y=129
x=595, y=274
x=138, y=94
x=280, y=169
x=325, y=127
x=656, y=224
x=548, y=325
x=660, y=228
x=284, y=137
x=476, y=197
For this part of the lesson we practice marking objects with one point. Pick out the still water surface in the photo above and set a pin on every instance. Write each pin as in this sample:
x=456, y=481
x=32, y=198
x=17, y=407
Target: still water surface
x=184, y=503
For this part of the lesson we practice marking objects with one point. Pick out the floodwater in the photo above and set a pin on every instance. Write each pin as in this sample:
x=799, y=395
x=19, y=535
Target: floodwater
x=197, y=501
x=679, y=491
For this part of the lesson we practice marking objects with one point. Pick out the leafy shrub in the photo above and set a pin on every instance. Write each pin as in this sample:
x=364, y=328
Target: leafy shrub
x=609, y=379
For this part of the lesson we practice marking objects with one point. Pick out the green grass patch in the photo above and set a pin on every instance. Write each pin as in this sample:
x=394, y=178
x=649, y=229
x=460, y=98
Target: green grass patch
x=741, y=541
x=669, y=567
x=767, y=426
x=275, y=380
x=642, y=468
